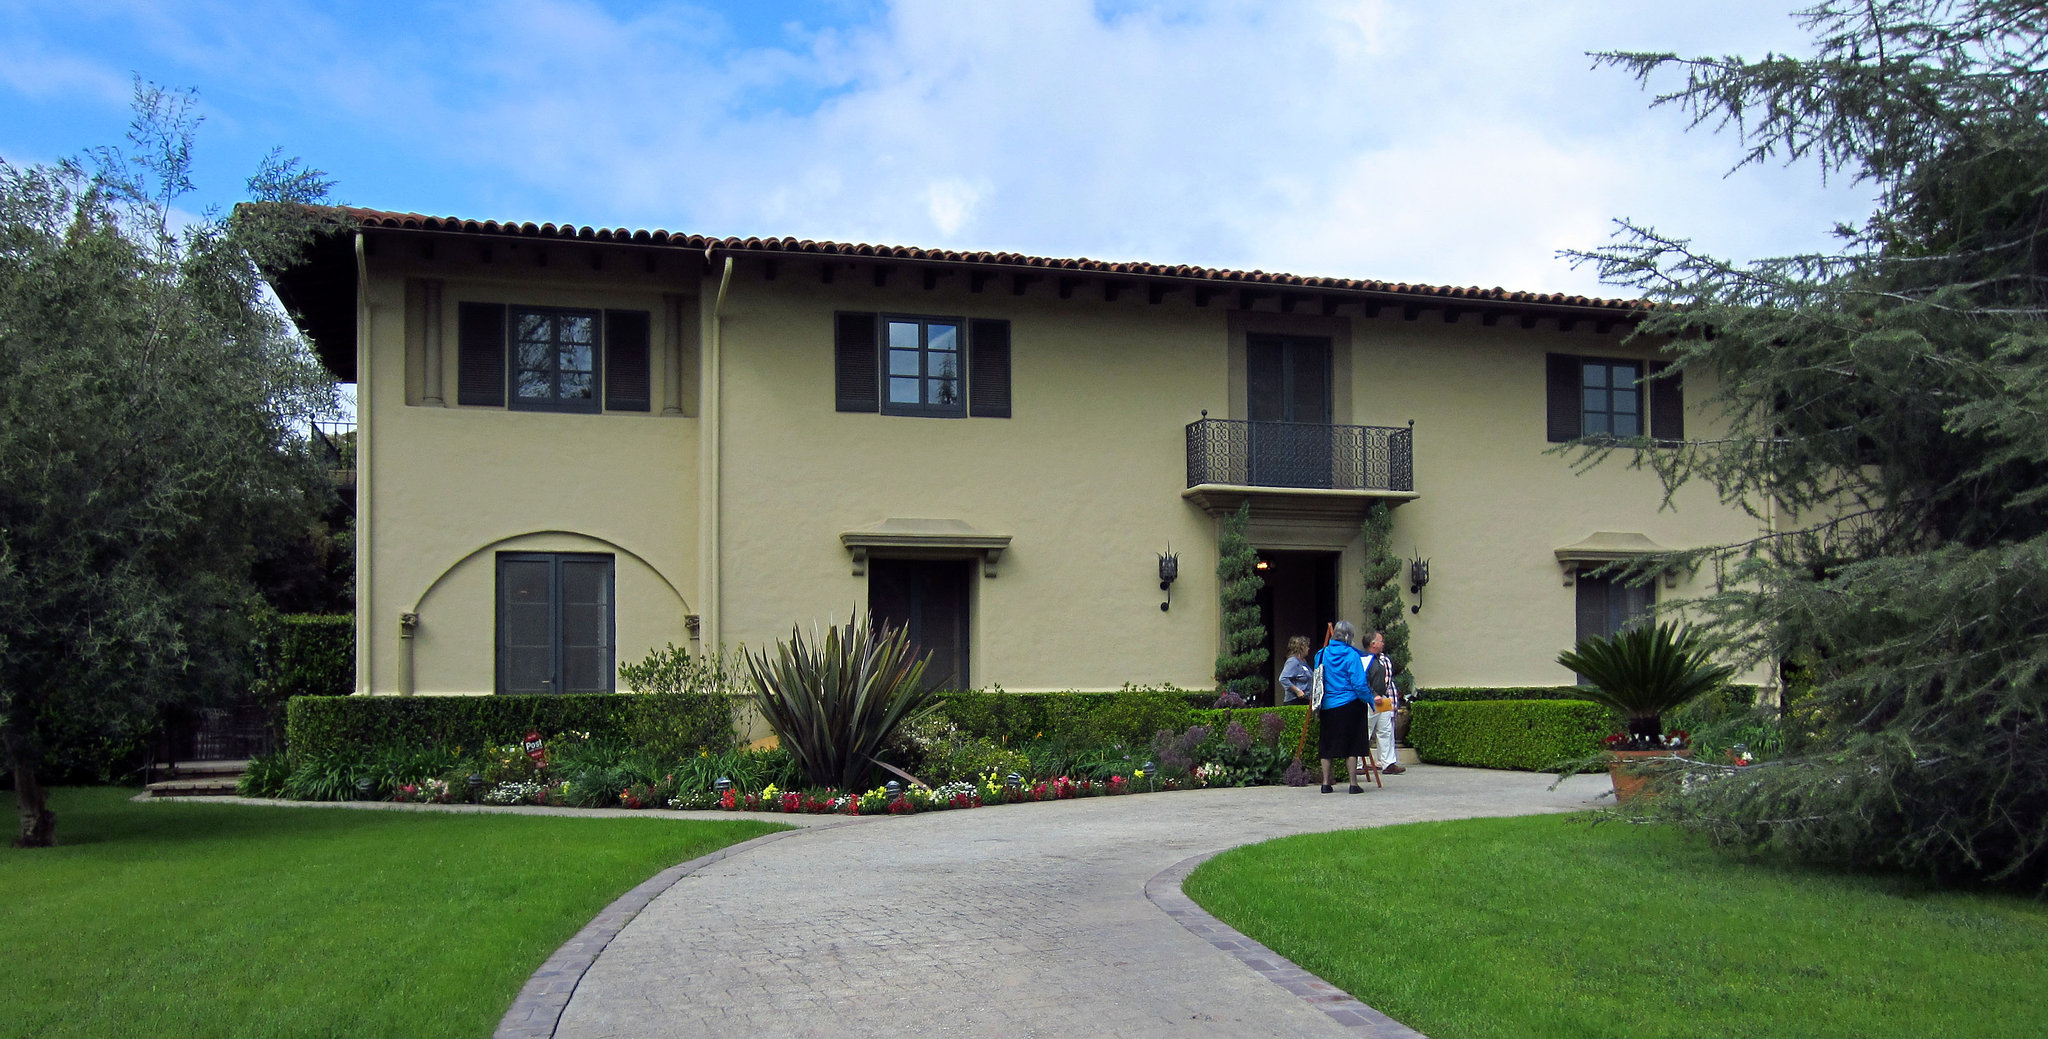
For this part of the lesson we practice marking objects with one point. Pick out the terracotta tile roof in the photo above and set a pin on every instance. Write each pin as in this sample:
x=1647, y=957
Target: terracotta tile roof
x=374, y=218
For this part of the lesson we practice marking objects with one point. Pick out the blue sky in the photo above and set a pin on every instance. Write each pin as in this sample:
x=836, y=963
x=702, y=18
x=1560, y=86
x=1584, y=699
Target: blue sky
x=1456, y=142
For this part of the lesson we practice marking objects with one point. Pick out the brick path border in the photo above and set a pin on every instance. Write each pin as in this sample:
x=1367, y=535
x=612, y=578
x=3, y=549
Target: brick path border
x=1164, y=891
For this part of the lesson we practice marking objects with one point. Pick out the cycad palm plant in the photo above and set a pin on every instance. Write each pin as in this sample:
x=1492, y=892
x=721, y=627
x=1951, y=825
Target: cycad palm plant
x=1645, y=671
x=835, y=699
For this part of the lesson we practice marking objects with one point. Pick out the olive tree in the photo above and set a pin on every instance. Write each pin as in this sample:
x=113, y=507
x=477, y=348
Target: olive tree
x=150, y=403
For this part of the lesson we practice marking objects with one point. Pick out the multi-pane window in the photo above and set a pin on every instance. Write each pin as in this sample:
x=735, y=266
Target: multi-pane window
x=555, y=622
x=1612, y=400
x=1608, y=605
x=924, y=374
x=554, y=359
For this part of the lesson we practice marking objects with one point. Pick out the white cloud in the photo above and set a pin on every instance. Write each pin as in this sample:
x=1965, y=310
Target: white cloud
x=1459, y=142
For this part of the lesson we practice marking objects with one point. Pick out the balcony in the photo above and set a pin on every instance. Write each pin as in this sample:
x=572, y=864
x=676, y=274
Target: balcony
x=1308, y=468
x=334, y=442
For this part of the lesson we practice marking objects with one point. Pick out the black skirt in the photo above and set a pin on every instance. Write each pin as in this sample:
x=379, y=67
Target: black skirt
x=1346, y=732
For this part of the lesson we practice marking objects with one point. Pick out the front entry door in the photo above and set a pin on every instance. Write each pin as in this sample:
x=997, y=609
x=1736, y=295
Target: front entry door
x=928, y=596
x=1288, y=389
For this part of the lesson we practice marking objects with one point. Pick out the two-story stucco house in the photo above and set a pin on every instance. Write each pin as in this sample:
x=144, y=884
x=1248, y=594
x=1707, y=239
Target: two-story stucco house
x=580, y=444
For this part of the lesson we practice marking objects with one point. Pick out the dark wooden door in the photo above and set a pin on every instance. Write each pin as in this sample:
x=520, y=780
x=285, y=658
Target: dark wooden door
x=928, y=596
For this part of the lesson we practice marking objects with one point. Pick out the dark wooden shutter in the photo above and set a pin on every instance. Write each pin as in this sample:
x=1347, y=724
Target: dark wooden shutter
x=1667, y=403
x=480, y=377
x=626, y=379
x=855, y=363
x=1564, y=398
x=988, y=369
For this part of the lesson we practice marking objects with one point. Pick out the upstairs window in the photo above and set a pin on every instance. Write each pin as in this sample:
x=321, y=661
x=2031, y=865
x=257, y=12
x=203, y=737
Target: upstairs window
x=554, y=359
x=1612, y=402
x=925, y=373
x=1612, y=396
x=936, y=367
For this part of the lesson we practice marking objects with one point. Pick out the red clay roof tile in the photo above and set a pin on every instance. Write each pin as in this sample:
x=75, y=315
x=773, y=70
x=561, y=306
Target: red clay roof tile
x=375, y=218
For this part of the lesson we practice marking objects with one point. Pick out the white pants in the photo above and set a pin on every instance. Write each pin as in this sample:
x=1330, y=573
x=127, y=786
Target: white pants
x=1381, y=725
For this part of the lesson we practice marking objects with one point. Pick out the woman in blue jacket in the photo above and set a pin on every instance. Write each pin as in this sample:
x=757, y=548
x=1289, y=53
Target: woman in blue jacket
x=1347, y=704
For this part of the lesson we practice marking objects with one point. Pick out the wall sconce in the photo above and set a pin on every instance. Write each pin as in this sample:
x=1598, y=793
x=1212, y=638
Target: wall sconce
x=1418, y=576
x=1169, y=571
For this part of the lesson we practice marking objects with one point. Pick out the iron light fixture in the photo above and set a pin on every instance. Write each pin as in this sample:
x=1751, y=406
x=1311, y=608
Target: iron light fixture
x=1169, y=571
x=1418, y=576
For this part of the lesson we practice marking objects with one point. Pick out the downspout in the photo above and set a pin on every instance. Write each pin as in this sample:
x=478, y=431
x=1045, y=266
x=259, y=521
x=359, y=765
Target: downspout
x=365, y=601
x=714, y=623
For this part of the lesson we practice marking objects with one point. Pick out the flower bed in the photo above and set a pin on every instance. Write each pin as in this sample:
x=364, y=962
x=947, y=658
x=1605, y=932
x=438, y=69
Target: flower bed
x=573, y=769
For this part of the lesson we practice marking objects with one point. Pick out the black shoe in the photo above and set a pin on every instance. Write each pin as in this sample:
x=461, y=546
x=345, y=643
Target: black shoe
x=1356, y=789
x=1328, y=789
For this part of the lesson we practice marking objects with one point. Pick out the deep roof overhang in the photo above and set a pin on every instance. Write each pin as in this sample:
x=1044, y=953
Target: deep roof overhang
x=320, y=290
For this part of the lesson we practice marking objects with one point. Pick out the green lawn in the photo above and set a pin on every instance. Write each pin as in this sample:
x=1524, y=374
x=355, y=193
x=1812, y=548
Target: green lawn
x=1549, y=927
x=184, y=919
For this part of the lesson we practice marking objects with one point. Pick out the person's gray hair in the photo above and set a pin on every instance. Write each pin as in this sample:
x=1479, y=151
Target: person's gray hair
x=1345, y=633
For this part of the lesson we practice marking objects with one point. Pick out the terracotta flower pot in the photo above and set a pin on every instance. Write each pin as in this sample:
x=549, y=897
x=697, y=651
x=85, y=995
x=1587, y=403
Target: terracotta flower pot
x=1629, y=783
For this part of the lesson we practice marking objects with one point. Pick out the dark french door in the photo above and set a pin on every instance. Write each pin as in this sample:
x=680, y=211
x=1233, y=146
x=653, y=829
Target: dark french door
x=929, y=596
x=1288, y=390
x=555, y=619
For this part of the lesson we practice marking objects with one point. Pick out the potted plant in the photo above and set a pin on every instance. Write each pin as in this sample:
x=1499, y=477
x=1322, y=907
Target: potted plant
x=1642, y=673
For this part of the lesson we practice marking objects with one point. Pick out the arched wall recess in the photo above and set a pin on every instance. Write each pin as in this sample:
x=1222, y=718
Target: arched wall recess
x=487, y=546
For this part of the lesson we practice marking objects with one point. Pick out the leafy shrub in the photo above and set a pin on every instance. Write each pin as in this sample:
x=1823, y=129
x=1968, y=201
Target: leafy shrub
x=305, y=654
x=835, y=701
x=683, y=704
x=1526, y=735
x=265, y=776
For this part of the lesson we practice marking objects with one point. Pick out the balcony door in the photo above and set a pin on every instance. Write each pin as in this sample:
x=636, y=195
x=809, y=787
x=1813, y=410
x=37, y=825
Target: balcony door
x=1288, y=385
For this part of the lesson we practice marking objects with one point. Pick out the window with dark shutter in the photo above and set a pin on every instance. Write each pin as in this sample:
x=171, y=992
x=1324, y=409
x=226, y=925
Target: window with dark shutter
x=988, y=369
x=627, y=382
x=480, y=334
x=1667, y=403
x=1562, y=398
x=854, y=362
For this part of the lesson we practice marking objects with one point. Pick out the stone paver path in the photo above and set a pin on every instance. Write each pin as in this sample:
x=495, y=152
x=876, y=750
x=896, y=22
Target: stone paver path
x=1025, y=921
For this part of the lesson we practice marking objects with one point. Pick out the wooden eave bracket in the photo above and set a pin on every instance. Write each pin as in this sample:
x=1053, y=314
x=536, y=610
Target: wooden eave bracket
x=924, y=539
x=1606, y=547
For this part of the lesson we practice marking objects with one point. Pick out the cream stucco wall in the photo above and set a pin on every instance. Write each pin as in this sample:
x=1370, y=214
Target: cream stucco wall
x=1495, y=505
x=445, y=488
x=1086, y=478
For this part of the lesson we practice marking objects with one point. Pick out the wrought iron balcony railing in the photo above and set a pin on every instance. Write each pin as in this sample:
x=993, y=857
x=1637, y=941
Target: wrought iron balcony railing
x=1301, y=454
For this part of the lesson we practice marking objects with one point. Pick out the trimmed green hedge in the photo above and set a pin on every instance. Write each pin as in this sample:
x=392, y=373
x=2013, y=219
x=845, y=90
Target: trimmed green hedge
x=1131, y=715
x=1465, y=694
x=320, y=726
x=1524, y=735
x=306, y=654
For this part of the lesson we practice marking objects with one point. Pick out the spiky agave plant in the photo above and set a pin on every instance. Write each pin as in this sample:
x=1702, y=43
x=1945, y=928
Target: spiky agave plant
x=1645, y=671
x=833, y=700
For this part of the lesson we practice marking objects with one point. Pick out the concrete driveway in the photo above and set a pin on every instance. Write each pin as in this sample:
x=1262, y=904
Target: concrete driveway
x=1024, y=920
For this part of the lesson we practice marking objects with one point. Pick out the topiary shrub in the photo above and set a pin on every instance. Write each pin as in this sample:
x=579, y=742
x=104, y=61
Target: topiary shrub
x=1523, y=735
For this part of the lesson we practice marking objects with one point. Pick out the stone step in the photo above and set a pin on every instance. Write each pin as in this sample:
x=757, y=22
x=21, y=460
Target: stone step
x=210, y=786
x=198, y=769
